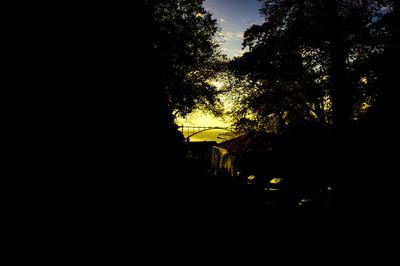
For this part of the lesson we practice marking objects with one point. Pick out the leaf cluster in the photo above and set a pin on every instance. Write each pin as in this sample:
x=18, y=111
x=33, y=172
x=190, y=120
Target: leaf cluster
x=185, y=54
x=287, y=77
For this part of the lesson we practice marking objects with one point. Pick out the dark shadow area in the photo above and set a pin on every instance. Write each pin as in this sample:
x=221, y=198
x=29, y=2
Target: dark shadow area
x=109, y=163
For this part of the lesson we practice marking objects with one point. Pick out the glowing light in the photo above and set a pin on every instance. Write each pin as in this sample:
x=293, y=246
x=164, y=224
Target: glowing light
x=364, y=80
x=276, y=180
x=305, y=200
x=202, y=119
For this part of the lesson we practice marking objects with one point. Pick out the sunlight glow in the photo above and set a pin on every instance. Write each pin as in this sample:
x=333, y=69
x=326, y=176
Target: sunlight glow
x=364, y=80
x=276, y=180
x=201, y=119
x=272, y=189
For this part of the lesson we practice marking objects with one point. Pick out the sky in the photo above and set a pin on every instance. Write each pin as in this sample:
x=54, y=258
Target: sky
x=234, y=17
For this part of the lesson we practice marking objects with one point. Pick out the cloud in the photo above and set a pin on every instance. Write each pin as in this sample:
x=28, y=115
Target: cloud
x=233, y=52
x=238, y=52
x=232, y=36
x=240, y=35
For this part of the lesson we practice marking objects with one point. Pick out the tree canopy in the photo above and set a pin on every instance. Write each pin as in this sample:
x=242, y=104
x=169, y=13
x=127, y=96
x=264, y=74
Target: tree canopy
x=309, y=61
x=185, y=54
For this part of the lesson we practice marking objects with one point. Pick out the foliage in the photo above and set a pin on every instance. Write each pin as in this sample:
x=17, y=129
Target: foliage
x=186, y=54
x=310, y=61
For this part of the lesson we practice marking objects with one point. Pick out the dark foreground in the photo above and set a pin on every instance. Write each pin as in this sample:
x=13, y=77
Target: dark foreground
x=210, y=212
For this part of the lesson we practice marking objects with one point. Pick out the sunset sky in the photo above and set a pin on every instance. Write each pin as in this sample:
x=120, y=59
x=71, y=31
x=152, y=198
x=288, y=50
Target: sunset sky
x=234, y=17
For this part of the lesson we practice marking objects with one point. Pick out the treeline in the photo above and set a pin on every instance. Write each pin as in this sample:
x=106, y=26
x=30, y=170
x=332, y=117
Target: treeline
x=325, y=68
x=326, y=62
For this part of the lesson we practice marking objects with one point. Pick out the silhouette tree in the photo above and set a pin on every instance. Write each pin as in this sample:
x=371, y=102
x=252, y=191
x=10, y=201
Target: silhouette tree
x=302, y=63
x=324, y=63
x=182, y=40
x=387, y=38
x=378, y=127
x=179, y=56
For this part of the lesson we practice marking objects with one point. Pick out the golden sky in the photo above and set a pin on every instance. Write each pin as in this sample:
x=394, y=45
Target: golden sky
x=201, y=119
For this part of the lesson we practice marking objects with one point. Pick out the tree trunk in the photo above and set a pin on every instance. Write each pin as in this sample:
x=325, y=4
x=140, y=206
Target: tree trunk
x=341, y=97
x=341, y=93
